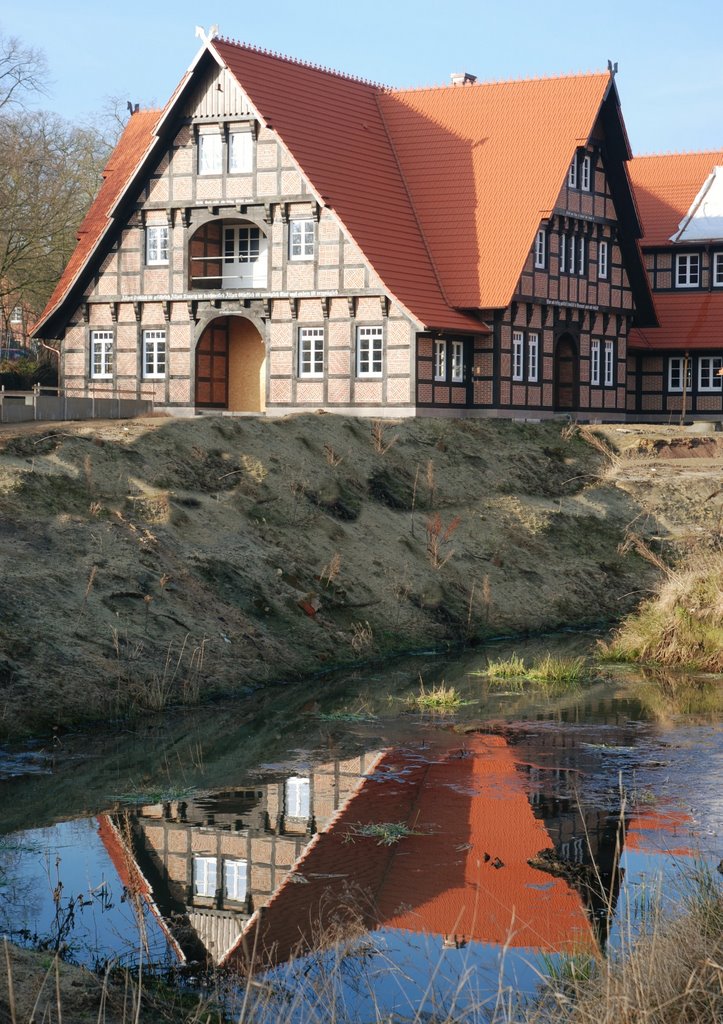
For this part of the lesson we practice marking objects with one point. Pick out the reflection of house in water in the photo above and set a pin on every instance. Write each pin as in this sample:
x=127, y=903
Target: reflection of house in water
x=212, y=862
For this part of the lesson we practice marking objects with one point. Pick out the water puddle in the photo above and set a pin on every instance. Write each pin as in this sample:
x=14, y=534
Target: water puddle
x=373, y=855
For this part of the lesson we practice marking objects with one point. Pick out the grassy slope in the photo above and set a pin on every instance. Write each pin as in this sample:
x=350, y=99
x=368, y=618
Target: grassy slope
x=166, y=560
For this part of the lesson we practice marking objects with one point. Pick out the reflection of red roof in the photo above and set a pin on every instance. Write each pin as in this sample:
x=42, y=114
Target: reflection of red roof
x=131, y=147
x=688, y=319
x=466, y=872
x=665, y=187
x=655, y=831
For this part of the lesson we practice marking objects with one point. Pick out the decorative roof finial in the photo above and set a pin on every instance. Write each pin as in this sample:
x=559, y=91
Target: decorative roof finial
x=613, y=68
x=204, y=36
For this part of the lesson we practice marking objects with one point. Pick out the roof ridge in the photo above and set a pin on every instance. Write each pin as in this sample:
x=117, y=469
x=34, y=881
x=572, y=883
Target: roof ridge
x=298, y=62
x=499, y=81
x=677, y=152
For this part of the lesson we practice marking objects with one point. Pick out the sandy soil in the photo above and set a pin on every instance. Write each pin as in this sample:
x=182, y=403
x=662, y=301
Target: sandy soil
x=160, y=561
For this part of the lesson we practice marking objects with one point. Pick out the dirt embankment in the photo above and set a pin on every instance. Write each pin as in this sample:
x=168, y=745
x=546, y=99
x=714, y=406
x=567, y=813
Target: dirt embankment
x=162, y=560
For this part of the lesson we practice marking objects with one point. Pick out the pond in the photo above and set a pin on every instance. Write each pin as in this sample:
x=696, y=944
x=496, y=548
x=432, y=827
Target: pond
x=345, y=848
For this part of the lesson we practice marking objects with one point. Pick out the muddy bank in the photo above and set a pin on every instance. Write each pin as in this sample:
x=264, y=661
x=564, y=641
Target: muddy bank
x=162, y=561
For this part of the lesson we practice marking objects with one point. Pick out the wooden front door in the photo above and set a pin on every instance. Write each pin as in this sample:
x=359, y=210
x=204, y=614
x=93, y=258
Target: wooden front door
x=212, y=366
x=565, y=397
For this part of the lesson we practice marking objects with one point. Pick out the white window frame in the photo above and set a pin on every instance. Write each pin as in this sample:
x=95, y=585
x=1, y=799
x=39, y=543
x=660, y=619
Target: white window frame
x=675, y=373
x=595, y=363
x=204, y=876
x=244, y=260
x=602, y=259
x=708, y=379
x=572, y=173
x=533, y=357
x=581, y=256
x=235, y=879
x=297, y=797
x=541, y=249
x=571, y=254
x=311, y=352
x=240, y=152
x=210, y=153
x=440, y=359
x=16, y=315
x=563, y=254
x=609, y=380
x=717, y=270
x=369, y=351
x=585, y=173
x=157, y=237
x=687, y=270
x=518, y=356
x=302, y=235
x=101, y=355
x=457, y=371
x=155, y=355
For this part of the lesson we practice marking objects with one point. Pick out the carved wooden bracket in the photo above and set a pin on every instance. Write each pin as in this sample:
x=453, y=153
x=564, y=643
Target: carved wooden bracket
x=114, y=311
x=137, y=310
x=294, y=307
x=352, y=301
x=166, y=311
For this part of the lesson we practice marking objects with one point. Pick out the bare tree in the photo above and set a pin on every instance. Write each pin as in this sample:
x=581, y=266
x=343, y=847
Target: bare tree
x=23, y=71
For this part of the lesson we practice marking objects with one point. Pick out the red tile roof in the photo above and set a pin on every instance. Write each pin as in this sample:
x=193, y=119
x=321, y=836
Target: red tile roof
x=665, y=186
x=125, y=158
x=484, y=164
x=689, y=319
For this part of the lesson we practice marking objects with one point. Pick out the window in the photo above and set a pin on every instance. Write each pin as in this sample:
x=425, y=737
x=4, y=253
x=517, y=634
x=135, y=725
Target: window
x=517, y=355
x=440, y=359
x=533, y=346
x=602, y=259
x=156, y=244
x=718, y=269
x=209, y=154
x=585, y=167
x=297, y=798
x=609, y=364
x=234, y=879
x=675, y=374
x=204, y=876
x=457, y=361
x=301, y=240
x=572, y=173
x=241, y=244
x=581, y=256
x=563, y=249
x=240, y=152
x=595, y=363
x=571, y=253
x=16, y=316
x=311, y=351
x=541, y=249
x=101, y=354
x=369, y=351
x=687, y=270
x=708, y=369
x=154, y=354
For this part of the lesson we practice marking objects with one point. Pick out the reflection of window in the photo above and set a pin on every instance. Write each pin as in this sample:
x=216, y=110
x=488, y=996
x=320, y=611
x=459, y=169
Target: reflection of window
x=234, y=879
x=301, y=240
x=440, y=359
x=296, y=797
x=101, y=354
x=369, y=351
x=240, y=152
x=517, y=355
x=209, y=154
x=204, y=876
x=154, y=354
x=595, y=363
x=675, y=374
x=708, y=369
x=457, y=361
x=311, y=351
x=16, y=317
x=156, y=244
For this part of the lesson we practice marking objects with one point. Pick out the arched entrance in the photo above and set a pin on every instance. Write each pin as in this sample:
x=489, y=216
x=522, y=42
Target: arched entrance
x=231, y=366
x=566, y=374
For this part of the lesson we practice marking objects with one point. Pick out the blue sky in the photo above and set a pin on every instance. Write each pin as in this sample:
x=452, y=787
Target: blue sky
x=670, y=54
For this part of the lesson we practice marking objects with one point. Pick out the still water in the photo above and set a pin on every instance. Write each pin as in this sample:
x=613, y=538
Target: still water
x=349, y=849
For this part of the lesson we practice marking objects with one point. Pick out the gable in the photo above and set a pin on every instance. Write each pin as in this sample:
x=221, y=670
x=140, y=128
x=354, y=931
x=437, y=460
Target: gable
x=217, y=94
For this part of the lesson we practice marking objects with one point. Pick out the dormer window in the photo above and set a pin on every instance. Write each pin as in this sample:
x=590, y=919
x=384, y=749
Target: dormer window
x=687, y=270
x=541, y=249
x=209, y=154
x=718, y=269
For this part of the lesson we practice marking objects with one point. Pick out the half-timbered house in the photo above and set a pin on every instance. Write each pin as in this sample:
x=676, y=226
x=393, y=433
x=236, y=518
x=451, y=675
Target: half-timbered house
x=283, y=237
x=677, y=368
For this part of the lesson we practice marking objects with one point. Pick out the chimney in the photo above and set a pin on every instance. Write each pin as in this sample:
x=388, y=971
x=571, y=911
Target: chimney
x=462, y=78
